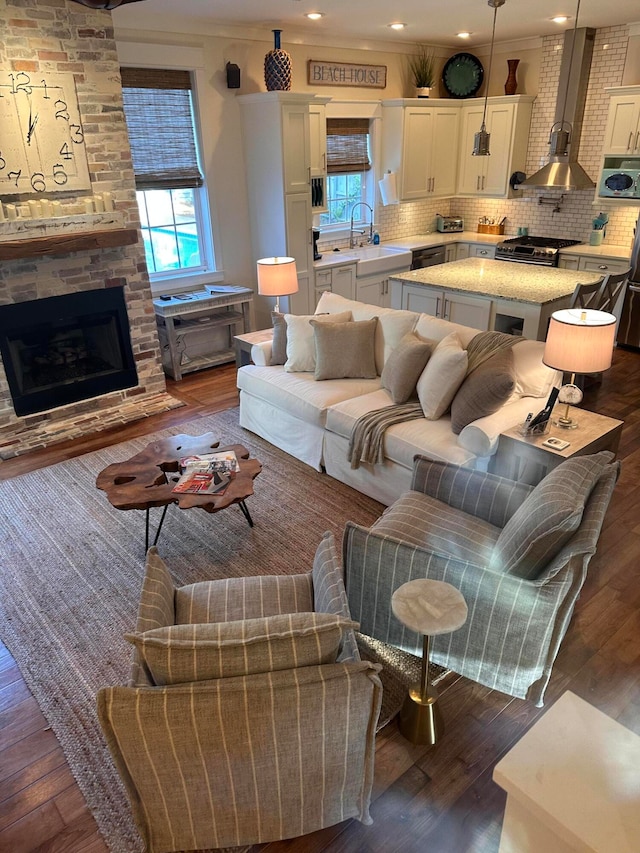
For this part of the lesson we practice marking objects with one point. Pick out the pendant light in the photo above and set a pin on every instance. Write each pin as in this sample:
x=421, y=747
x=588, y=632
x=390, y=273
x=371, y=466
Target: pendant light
x=481, y=138
x=563, y=171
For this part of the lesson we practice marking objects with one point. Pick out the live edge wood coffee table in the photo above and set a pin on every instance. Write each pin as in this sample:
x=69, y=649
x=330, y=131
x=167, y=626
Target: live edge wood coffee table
x=147, y=479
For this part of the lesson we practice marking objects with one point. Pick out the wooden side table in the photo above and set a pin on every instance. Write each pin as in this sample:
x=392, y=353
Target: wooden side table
x=427, y=607
x=243, y=344
x=526, y=459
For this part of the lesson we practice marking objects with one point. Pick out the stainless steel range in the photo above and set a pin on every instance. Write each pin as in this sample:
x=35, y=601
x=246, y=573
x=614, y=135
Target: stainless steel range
x=543, y=251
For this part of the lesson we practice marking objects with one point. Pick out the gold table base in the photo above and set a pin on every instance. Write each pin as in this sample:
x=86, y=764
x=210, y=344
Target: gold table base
x=420, y=719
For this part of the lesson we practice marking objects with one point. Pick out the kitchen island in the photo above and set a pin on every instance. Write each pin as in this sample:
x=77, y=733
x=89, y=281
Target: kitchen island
x=487, y=294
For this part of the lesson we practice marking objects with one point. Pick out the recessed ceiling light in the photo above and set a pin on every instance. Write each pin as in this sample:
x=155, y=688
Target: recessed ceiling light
x=314, y=16
x=397, y=26
x=463, y=35
x=560, y=19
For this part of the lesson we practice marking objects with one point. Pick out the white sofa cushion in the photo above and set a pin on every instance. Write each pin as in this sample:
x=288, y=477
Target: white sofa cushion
x=401, y=441
x=436, y=329
x=393, y=324
x=301, y=345
x=442, y=377
x=299, y=393
x=533, y=378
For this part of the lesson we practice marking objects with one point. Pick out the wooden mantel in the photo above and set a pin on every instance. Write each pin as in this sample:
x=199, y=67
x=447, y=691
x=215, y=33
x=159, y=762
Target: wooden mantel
x=56, y=244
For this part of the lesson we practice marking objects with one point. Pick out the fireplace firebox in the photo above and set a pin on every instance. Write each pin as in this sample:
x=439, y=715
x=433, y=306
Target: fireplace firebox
x=68, y=348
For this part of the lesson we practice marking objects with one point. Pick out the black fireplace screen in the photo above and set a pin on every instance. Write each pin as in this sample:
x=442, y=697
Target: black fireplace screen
x=67, y=348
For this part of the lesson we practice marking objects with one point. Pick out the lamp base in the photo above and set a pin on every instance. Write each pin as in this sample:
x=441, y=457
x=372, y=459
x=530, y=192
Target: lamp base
x=565, y=423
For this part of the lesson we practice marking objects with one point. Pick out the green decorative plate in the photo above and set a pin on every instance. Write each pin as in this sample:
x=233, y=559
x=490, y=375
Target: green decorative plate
x=462, y=75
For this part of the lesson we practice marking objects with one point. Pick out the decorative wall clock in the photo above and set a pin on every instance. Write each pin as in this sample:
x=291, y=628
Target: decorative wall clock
x=42, y=146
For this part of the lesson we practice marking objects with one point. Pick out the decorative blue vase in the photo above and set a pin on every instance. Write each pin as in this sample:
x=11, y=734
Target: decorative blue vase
x=277, y=67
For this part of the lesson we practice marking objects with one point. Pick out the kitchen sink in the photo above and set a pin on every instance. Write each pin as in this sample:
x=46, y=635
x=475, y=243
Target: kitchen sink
x=372, y=260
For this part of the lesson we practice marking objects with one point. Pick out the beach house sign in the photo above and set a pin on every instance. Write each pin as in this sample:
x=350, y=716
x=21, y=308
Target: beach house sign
x=346, y=74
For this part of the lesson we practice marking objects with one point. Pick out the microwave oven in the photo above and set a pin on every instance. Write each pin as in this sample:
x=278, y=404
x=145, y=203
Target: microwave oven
x=620, y=183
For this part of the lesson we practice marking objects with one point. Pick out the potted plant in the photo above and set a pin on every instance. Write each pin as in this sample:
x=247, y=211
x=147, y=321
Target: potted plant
x=421, y=67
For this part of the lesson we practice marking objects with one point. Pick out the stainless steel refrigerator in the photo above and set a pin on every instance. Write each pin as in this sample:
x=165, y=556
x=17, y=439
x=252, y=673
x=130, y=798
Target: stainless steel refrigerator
x=629, y=327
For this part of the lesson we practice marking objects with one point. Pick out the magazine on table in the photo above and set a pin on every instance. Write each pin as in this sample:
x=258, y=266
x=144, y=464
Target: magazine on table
x=207, y=473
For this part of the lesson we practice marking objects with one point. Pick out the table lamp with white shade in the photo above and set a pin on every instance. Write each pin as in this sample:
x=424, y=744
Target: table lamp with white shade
x=579, y=340
x=277, y=277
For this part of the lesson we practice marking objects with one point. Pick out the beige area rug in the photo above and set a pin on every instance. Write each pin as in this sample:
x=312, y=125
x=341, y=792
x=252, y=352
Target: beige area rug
x=71, y=568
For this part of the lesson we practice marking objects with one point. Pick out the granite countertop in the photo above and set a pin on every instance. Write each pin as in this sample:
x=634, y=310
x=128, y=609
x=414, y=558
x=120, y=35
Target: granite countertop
x=502, y=279
x=603, y=251
x=335, y=259
x=435, y=238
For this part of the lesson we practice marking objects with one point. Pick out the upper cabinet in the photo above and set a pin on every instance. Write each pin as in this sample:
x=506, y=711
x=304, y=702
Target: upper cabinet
x=419, y=144
x=508, y=120
x=622, y=134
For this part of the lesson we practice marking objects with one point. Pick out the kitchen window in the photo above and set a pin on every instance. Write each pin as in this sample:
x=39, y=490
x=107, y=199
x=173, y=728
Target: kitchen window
x=174, y=218
x=348, y=161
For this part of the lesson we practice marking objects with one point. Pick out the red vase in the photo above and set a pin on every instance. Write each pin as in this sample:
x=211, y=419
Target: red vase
x=511, y=84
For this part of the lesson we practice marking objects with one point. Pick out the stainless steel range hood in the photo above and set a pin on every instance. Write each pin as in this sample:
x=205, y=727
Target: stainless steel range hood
x=563, y=170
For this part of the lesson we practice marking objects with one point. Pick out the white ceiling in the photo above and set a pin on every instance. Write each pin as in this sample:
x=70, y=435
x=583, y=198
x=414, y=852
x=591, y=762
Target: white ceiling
x=361, y=21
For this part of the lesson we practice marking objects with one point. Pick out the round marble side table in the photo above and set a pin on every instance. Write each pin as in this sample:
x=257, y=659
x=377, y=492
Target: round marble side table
x=428, y=607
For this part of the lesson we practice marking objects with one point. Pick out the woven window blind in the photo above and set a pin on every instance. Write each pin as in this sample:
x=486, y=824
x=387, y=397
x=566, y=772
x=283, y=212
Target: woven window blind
x=158, y=111
x=347, y=145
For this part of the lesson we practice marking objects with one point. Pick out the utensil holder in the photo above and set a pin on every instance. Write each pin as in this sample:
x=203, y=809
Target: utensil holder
x=490, y=229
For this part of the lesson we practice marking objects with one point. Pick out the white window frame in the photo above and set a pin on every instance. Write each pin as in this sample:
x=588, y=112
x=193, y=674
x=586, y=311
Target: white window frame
x=141, y=55
x=357, y=109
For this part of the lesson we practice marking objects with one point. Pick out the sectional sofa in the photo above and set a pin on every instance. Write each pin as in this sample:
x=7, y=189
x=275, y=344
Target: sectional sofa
x=312, y=419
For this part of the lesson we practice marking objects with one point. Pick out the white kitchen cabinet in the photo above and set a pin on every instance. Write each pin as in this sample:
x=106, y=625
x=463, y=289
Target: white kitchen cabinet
x=482, y=250
x=508, y=120
x=374, y=290
x=462, y=251
x=474, y=311
x=419, y=144
x=340, y=280
x=277, y=151
x=593, y=263
x=451, y=253
x=622, y=134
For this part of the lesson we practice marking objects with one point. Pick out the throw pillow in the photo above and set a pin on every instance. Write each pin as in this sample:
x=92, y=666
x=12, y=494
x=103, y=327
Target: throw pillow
x=301, y=348
x=442, y=377
x=203, y=651
x=545, y=521
x=329, y=593
x=156, y=608
x=483, y=391
x=345, y=350
x=279, y=342
x=404, y=366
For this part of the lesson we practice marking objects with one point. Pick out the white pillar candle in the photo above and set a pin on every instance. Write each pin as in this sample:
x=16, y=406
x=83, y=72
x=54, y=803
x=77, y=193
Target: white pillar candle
x=12, y=213
x=98, y=204
x=88, y=205
x=35, y=210
x=56, y=208
x=107, y=198
x=45, y=208
x=1, y=212
x=24, y=211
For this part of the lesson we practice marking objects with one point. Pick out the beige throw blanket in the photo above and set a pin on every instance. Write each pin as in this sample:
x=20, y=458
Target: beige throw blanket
x=366, y=443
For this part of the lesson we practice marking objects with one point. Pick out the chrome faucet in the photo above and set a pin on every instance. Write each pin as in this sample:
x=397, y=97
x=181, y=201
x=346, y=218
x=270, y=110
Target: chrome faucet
x=353, y=231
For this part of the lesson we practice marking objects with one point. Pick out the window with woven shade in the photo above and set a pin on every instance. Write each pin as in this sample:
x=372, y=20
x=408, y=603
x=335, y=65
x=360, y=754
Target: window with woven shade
x=159, y=112
x=348, y=161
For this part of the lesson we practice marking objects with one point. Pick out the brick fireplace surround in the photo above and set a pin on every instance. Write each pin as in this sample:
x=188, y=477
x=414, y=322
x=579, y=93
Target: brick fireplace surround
x=55, y=36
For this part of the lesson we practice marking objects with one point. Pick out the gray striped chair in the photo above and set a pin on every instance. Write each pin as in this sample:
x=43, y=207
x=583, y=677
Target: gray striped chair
x=518, y=554
x=249, y=716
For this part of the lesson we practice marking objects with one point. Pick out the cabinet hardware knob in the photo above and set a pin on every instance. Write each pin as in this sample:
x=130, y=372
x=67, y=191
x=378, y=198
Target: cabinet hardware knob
x=603, y=267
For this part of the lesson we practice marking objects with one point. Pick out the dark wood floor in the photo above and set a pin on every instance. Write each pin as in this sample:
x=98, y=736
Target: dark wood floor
x=442, y=799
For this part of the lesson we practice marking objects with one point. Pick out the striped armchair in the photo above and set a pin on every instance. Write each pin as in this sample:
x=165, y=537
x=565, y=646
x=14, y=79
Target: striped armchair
x=250, y=716
x=518, y=554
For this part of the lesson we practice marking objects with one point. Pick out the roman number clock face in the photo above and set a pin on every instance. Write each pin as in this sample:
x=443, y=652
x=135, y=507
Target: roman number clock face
x=42, y=146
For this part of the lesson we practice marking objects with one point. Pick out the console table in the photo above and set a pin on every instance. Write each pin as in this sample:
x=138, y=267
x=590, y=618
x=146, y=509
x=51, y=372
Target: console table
x=188, y=314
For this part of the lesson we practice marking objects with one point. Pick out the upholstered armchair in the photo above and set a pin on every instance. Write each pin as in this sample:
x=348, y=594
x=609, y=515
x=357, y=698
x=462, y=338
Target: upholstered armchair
x=518, y=554
x=250, y=716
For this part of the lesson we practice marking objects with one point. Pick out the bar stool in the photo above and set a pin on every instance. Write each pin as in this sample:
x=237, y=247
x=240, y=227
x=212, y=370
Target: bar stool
x=429, y=608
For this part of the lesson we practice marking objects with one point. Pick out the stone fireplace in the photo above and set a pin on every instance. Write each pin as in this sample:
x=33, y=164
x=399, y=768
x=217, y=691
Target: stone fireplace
x=45, y=396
